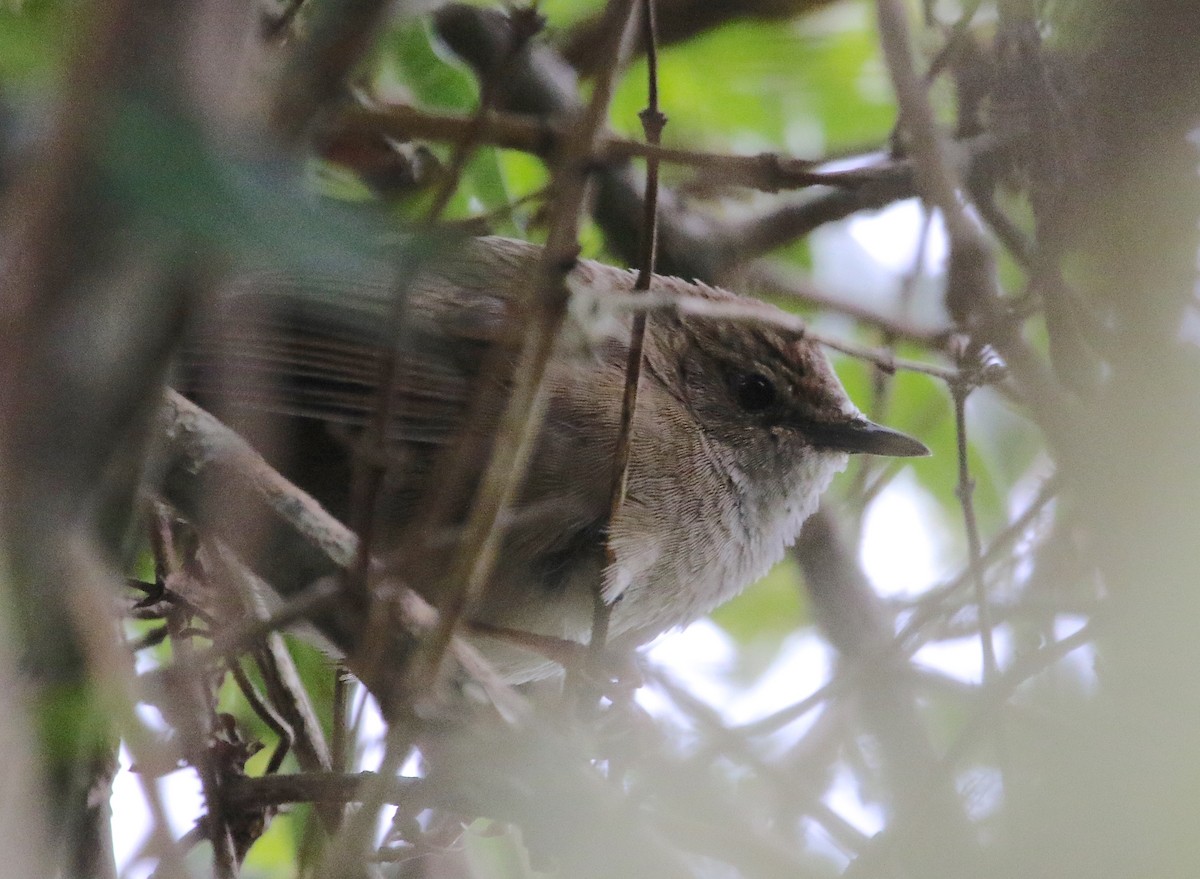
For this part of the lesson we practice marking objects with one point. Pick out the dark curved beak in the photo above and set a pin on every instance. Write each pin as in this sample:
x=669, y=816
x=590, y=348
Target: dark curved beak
x=866, y=437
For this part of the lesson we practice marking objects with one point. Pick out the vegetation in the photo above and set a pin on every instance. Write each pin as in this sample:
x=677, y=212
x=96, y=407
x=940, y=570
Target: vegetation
x=1041, y=338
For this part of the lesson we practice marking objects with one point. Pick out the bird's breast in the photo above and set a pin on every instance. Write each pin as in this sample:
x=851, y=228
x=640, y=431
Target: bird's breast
x=687, y=542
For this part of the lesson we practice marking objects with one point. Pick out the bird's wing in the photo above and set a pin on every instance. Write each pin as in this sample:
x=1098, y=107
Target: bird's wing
x=319, y=349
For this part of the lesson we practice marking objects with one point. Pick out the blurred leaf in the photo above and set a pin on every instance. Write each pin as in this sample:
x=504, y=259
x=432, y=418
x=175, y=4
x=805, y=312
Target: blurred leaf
x=806, y=88
x=317, y=674
x=770, y=609
x=338, y=182
x=1008, y=441
x=525, y=173
x=412, y=60
x=855, y=375
x=482, y=188
x=143, y=567
x=847, y=82
x=496, y=851
x=947, y=719
x=71, y=721
x=524, y=176
x=273, y=855
x=165, y=175
x=34, y=38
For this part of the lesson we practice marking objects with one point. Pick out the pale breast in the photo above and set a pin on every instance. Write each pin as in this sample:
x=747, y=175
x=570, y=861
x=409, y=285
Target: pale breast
x=691, y=538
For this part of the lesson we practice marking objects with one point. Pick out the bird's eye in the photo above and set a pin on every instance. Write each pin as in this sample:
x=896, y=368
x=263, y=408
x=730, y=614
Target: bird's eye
x=754, y=391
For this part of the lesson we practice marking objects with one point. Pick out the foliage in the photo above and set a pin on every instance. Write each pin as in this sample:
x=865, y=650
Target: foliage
x=1034, y=342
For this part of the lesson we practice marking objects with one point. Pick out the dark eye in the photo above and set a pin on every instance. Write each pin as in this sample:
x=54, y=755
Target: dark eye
x=754, y=391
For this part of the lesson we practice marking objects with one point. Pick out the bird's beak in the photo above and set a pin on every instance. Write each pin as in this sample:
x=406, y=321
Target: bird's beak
x=866, y=437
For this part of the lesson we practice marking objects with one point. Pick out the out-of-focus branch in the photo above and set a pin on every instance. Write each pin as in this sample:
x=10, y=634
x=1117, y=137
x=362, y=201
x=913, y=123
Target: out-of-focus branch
x=202, y=457
x=769, y=172
x=307, y=544
x=319, y=59
x=691, y=245
x=1133, y=465
x=972, y=270
x=544, y=86
x=929, y=830
x=545, y=313
x=281, y=679
x=875, y=181
x=76, y=405
x=24, y=836
x=971, y=281
x=769, y=282
x=314, y=787
x=90, y=603
x=536, y=778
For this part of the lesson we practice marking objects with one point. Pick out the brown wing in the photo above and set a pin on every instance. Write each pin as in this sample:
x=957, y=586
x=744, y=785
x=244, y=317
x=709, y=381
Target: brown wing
x=296, y=364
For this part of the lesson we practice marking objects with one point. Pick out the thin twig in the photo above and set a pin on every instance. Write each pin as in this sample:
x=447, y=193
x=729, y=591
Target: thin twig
x=89, y=605
x=266, y=714
x=199, y=449
x=370, y=465
x=314, y=787
x=905, y=640
x=770, y=282
x=314, y=71
x=876, y=410
x=1003, y=687
x=931, y=601
x=881, y=385
x=338, y=740
x=653, y=122
x=192, y=709
x=959, y=32
x=937, y=178
x=523, y=26
x=194, y=721
x=523, y=412
x=286, y=691
x=239, y=636
x=768, y=172
x=750, y=313
x=964, y=491
x=352, y=845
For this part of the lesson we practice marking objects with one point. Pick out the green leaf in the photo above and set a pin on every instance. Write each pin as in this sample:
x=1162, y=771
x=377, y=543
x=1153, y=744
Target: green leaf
x=411, y=59
x=274, y=853
x=809, y=88
x=34, y=39
x=163, y=174
x=768, y=610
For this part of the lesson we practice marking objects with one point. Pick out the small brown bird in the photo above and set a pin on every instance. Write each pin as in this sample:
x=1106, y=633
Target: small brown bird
x=740, y=427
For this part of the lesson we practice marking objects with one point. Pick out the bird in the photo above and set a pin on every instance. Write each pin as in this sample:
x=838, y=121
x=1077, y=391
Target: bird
x=740, y=426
